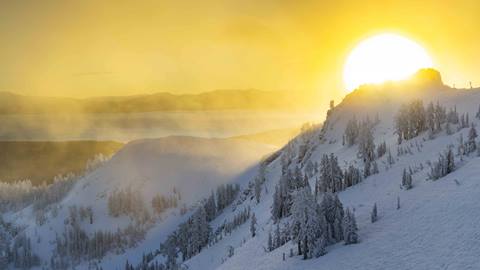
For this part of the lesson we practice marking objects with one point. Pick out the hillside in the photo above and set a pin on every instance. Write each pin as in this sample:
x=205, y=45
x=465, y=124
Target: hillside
x=191, y=167
x=423, y=184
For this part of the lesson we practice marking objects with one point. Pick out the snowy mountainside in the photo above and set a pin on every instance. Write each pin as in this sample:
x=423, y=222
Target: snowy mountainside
x=435, y=225
x=154, y=167
x=192, y=165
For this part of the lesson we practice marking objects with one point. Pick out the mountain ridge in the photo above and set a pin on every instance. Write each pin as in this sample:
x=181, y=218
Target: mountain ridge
x=233, y=99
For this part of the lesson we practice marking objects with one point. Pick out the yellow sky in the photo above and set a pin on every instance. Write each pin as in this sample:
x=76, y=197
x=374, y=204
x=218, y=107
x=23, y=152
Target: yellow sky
x=90, y=48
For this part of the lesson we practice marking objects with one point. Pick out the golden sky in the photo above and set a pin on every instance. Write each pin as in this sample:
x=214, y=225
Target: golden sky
x=89, y=48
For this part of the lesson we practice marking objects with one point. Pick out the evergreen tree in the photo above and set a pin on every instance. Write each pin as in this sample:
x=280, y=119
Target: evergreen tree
x=306, y=225
x=381, y=149
x=253, y=224
x=258, y=189
x=373, y=215
x=366, y=146
x=390, y=159
x=320, y=246
x=332, y=209
x=331, y=175
x=270, y=242
x=278, y=237
x=277, y=204
x=350, y=228
x=406, y=179
x=352, y=176
x=444, y=165
x=366, y=168
x=351, y=132
x=411, y=120
x=375, y=167
x=450, y=161
x=472, y=135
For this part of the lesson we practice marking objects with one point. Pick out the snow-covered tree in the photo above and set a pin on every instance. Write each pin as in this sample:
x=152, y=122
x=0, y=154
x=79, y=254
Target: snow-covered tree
x=351, y=132
x=390, y=159
x=306, y=222
x=406, y=179
x=282, y=198
x=411, y=120
x=331, y=175
x=258, y=189
x=352, y=176
x=366, y=146
x=270, y=242
x=332, y=209
x=375, y=167
x=444, y=165
x=253, y=225
x=381, y=149
x=472, y=135
x=320, y=246
x=350, y=228
x=373, y=214
x=278, y=237
x=211, y=207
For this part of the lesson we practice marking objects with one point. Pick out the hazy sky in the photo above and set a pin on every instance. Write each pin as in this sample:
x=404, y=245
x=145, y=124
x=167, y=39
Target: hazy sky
x=86, y=48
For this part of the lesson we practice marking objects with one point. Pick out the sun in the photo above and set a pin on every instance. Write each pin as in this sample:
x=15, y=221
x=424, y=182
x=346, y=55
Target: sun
x=382, y=58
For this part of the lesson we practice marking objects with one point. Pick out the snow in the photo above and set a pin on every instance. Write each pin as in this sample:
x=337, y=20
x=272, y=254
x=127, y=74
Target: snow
x=194, y=166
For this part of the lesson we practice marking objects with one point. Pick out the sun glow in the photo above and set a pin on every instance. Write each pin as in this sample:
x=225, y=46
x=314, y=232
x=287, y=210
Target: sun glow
x=382, y=58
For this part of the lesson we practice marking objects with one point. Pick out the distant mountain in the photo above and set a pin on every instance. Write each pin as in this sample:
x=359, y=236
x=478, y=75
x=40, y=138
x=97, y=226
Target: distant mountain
x=249, y=99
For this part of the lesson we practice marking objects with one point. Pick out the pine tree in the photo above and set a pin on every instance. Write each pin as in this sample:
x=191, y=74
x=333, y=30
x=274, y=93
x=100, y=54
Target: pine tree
x=366, y=146
x=350, y=228
x=450, y=161
x=430, y=118
x=253, y=224
x=381, y=149
x=258, y=189
x=398, y=202
x=375, y=167
x=332, y=210
x=331, y=175
x=278, y=237
x=306, y=222
x=448, y=129
x=320, y=246
x=472, y=135
x=366, y=169
x=390, y=159
x=351, y=132
x=406, y=179
x=276, y=207
x=373, y=215
x=270, y=242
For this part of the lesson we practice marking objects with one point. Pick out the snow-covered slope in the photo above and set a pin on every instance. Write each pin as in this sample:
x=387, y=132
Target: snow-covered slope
x=192, y=166
x=435, y=228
